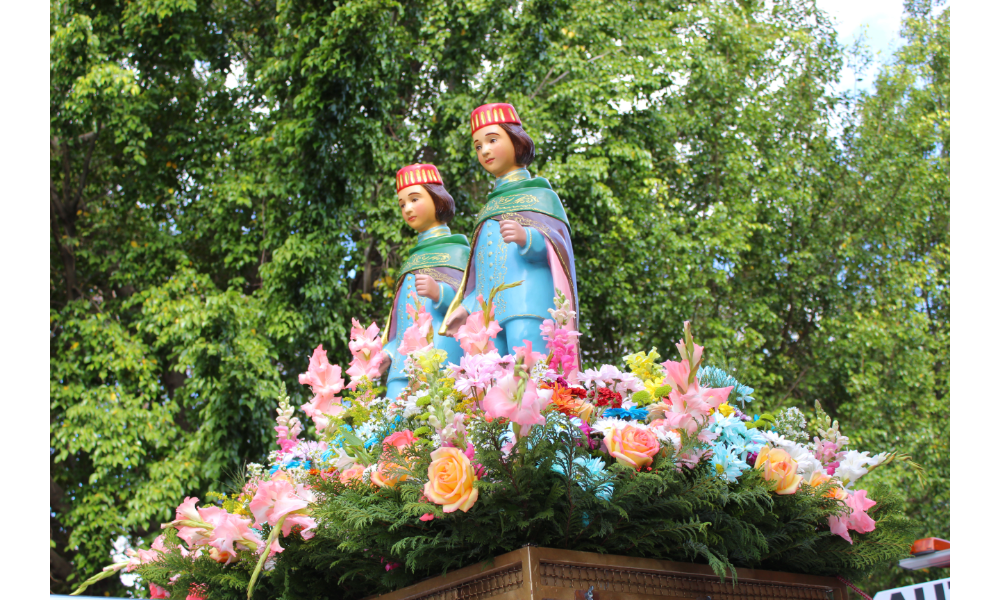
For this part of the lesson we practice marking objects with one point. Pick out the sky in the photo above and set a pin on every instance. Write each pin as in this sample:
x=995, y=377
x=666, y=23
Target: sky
x=877, y=20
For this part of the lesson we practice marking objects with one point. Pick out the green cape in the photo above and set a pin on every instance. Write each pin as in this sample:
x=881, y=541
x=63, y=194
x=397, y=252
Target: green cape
x=444, y=251
x=448, y=251
x=533, y=195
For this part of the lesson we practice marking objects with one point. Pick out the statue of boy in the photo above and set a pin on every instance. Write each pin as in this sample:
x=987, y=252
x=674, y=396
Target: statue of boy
x=433, y=269
x=521, y=234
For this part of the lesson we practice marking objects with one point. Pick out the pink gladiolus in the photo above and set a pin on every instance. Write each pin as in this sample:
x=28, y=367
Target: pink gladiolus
x=502, y=401
x=427, y=517
x=698, y=350
x=693, y=459
x=326, y=382
x=366, y=348
x=475, y=337
x=677, y=375
x=191, y=527
x=212, y=526
x=689, y=410
x=154, y=551
x=188, y=510
x=420, y=334
x=280, y=500
x=157, y=593
x=275, y=499
x=304, y=525
x=324, y=378
x=230, y=534
x=858, y=519
x=527, y=356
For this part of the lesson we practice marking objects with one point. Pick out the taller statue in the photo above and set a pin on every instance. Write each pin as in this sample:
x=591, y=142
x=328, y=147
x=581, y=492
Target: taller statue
x=432, y=271
x=521, y=234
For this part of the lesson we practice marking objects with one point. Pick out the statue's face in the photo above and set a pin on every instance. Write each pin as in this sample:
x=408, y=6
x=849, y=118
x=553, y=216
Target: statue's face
x=417, y=208
x=494, y=150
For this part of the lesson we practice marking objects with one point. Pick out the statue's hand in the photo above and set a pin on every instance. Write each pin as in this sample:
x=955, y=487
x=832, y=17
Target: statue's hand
x=384, y=365
x=427, y=287
x=511, y=231
x=456, y=320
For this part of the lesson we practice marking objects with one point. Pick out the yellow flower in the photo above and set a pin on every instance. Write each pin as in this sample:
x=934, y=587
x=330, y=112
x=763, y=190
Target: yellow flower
x=643, y=365
x=652, y=384
x=725, y=409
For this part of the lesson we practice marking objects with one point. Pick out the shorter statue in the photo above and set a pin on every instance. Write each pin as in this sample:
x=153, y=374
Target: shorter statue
x=432, y=271
x=521, y=234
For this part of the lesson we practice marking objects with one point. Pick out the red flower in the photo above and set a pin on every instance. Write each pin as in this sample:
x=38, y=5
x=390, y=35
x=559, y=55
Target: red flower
x=604, y=397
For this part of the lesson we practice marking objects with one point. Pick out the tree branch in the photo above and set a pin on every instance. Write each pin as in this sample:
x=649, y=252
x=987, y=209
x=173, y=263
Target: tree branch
x=91, y=140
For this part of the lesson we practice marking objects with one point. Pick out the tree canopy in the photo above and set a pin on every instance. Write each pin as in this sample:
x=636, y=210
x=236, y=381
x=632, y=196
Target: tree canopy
x=221, y=203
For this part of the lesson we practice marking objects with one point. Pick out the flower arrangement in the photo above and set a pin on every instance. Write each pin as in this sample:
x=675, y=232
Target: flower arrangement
x=482, y=457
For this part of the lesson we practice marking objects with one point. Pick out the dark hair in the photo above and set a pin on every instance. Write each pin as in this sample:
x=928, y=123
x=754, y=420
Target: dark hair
x=444, y=204
x=524, y=146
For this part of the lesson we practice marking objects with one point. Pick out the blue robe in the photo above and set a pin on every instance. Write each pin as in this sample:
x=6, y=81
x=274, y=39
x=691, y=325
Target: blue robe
x=448, y=278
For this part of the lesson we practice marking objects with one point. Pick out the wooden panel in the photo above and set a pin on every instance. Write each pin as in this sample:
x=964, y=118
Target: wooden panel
x=503, y=580
x=548, y=574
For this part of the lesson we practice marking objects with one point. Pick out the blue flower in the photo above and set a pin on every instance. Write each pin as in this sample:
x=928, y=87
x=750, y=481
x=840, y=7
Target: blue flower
x=735, y=437
x=589, y=471
x=634, y=414
x=727, y=464
x=712, y=377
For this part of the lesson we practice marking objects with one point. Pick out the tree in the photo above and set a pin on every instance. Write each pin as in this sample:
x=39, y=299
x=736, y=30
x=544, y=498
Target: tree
x=206, y=235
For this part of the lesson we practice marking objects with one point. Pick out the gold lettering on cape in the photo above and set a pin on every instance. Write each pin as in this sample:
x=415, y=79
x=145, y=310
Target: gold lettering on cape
x=430, y=259
x=509, y=203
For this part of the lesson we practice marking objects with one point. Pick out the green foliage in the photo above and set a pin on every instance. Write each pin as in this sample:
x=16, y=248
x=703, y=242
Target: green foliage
x=206, y=237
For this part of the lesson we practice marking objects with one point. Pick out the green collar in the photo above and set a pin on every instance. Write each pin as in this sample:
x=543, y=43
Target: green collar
x=519, y=174
x=433, y=232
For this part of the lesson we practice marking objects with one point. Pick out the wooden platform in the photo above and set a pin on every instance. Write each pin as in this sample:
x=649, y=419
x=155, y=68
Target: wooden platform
x=548, y=574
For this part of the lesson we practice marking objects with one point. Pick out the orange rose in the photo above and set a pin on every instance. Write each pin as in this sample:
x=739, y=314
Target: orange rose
x=451, y=477
x=819, y=478
x=352, y=473
x=399, y=440
x=632, y=446
x=778, y=466
x=382, y=478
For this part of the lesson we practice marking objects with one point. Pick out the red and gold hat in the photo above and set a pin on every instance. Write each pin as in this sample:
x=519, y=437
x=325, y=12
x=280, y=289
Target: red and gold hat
x=491, y=114
x=416, y=174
